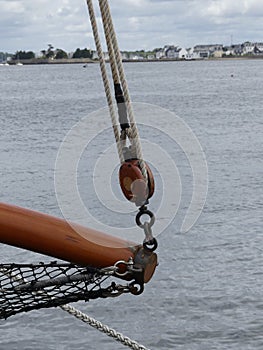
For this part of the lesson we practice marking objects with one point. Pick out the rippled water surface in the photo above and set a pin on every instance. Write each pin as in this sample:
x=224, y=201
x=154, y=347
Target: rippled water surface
x=207, y=290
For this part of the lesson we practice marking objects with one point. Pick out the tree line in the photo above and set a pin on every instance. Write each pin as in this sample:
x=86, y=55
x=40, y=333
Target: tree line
x=52, y=53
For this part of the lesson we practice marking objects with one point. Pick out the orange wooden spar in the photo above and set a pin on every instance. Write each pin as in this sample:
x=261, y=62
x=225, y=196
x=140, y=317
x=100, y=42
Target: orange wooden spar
x=55, y=237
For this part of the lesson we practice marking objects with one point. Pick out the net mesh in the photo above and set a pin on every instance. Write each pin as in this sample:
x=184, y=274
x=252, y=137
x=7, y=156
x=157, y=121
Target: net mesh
x=25, y=287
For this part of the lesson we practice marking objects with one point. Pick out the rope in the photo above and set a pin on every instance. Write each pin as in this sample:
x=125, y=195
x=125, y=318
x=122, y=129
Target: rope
x=122, y=106
x=111, y=37
x=113, y=63
x=105, y=78
x=118, y=75
x=103, y=328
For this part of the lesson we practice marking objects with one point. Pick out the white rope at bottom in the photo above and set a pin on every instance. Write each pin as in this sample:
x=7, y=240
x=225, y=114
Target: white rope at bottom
x=103, y=328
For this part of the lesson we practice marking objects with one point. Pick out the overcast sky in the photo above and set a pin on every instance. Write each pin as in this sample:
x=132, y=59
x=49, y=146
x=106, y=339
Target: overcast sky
x=140, y=24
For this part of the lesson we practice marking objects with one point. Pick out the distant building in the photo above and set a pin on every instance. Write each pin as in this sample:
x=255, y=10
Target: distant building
x=199, y=52
x=209, y=47
x=151, y=57
x=237, y=49
x=5, y=57
x=233, y=50
x=205, y=51
x=218, y=53
x=136, y=57
x=172, y=52
x=160, y=54
x=95, y=55
x=257, y=51
x=259, y=46
x=182, y=53
x=248, y=48
x=189, y=54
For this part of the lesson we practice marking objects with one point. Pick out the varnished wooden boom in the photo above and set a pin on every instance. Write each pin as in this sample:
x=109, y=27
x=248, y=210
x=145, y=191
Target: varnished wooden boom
x=55, y=237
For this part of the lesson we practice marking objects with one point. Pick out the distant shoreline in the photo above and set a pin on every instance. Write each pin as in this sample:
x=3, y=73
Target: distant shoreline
x=85, y=61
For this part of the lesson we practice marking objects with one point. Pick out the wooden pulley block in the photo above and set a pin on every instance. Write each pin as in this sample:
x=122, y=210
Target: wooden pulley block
x=133, y=184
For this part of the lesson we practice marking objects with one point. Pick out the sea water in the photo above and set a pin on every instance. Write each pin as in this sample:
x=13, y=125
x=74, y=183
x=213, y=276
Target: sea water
x=207, y=290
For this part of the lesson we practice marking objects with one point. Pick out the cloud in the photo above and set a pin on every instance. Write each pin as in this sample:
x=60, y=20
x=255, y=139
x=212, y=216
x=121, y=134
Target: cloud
x=232, y=9
x=31, y=24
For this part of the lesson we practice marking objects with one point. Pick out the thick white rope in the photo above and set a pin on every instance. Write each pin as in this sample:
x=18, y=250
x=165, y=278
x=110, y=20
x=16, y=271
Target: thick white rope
x=114, y=67
x=105, y=78
x=111, y=37
x=113, y=63
x=103, y=328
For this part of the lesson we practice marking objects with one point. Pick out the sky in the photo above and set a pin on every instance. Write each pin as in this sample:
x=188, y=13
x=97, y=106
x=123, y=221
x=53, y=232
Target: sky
x=140, y=24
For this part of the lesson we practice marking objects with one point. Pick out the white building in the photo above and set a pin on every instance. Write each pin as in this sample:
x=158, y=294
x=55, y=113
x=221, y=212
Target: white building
x=182, y=53
x=259, y=46
x=248, y=48
x=95, y=55
x=160, y=54
x=174, y=52
x=136, y=57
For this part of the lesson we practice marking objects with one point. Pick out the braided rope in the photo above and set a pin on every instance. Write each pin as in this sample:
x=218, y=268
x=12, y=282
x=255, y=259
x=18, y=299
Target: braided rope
x=115, y=51
x=113, y=63
x=114, y=67
x=103, y=328
x=105, y=78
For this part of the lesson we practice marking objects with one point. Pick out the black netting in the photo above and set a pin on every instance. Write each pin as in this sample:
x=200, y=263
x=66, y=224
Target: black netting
x=25, y=287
